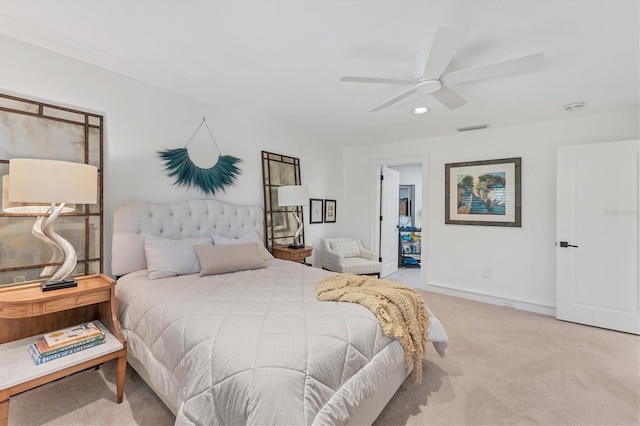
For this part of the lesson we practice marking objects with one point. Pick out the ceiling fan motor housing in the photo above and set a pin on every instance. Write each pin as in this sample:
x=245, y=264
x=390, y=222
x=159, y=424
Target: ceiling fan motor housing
x=429, y=86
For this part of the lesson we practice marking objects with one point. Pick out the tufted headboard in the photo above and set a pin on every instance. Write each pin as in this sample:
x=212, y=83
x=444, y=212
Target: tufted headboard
x=183, y=219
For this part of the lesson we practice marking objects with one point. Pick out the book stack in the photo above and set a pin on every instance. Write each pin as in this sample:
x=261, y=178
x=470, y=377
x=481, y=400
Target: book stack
x=66, y=341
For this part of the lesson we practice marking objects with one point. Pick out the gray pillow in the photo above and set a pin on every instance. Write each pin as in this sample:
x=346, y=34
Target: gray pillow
x=222, y=259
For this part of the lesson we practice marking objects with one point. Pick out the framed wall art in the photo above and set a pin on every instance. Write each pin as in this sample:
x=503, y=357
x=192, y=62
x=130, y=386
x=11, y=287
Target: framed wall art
x=315, y=210
x=329, y=211
x=484, y=193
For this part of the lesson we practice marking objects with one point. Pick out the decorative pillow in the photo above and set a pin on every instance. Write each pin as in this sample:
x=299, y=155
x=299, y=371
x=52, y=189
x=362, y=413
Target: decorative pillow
x=168, y=258
x=346, y=248
x=251, y=236
x=222, y=259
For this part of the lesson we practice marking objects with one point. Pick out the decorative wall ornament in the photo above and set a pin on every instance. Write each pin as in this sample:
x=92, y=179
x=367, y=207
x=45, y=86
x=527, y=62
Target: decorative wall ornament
x=220, y=175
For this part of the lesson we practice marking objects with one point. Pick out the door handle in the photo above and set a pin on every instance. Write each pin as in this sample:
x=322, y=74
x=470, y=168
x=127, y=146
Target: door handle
x=566, y=244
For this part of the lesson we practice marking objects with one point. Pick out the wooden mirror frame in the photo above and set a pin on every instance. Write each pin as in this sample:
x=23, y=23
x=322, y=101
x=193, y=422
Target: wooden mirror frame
x=279, y=223
x=35, y=129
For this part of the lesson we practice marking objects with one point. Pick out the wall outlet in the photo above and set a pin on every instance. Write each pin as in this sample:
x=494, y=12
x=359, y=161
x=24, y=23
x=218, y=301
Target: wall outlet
x=486, y=273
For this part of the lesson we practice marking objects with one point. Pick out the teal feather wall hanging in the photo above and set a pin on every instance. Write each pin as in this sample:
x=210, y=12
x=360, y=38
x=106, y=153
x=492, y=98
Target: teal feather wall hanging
x=178, y=164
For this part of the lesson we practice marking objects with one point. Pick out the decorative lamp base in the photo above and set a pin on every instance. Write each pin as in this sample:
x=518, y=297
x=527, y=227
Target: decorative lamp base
x=295, y=246
x=56, y=285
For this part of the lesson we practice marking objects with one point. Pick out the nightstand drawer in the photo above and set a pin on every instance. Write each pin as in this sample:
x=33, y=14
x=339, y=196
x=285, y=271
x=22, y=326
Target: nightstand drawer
x=299, y=257
x=293, y=254
x=13, y=311
x=76, y=300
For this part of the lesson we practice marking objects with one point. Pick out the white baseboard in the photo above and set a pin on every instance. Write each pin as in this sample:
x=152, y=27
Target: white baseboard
x=494, y=300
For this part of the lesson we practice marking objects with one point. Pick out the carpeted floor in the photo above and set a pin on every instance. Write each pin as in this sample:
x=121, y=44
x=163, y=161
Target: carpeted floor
x=505, y=367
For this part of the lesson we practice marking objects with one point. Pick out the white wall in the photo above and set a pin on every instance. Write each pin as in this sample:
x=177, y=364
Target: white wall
x=141, y=119
x=522, y=260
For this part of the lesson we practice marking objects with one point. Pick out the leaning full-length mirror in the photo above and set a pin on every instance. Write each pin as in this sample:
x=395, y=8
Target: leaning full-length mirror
x=279, y=222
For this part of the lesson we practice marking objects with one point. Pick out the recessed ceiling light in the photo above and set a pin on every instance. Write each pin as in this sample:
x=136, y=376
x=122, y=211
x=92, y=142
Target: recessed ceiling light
x=420, y=110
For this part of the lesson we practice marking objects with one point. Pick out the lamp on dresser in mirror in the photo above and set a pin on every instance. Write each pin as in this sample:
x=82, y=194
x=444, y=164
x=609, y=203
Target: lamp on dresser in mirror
x=294, y=196
x=45, y=187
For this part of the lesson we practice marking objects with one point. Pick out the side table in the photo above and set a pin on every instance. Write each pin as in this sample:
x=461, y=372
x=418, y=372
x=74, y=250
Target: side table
x=26, y=311
x=295, y=255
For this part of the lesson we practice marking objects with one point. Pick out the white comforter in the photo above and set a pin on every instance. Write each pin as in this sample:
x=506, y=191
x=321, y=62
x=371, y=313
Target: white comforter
x=255, y=347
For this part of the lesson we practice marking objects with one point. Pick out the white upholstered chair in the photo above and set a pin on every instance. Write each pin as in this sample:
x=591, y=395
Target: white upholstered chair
x=348, y=255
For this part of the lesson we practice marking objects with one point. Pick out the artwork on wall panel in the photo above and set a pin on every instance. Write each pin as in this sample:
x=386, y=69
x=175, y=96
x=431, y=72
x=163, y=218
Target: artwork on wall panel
x=315, y=209
x=329, y=211
x=484, y=193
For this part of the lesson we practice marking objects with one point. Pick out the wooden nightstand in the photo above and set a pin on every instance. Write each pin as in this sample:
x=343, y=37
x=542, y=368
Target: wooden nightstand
x=26, y=311
x=295, y=255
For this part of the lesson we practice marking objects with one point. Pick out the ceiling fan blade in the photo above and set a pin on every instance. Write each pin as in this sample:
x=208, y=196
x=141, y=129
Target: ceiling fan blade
x=497, y=69
x=354, y=79
x=449, y=98
x=445, y=45
x=394, y=100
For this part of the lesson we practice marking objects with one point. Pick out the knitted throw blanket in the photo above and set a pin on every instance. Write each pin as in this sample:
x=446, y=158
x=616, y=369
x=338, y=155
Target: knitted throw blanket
x=400, y=310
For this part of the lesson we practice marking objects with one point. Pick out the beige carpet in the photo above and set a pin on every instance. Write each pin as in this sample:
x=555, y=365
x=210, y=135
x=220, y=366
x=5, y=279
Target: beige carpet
x=505, y=367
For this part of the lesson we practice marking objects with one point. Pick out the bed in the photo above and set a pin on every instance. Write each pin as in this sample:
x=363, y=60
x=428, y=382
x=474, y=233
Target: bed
x=252, y=346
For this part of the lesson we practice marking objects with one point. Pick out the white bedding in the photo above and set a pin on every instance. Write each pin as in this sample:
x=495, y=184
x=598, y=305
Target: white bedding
x=256, y=347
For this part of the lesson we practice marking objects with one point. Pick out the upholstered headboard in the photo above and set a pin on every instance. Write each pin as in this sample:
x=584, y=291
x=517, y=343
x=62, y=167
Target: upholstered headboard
x=193, y=218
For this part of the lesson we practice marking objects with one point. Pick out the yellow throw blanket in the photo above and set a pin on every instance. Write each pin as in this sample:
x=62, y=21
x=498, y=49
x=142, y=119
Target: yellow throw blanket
x=400, y=310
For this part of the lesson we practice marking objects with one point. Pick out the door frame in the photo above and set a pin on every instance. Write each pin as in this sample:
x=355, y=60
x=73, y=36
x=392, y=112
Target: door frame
x=374, y=230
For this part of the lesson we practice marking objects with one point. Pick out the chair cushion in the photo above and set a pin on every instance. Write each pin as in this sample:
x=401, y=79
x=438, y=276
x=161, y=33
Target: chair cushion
x=347, y=248
x=357, y=265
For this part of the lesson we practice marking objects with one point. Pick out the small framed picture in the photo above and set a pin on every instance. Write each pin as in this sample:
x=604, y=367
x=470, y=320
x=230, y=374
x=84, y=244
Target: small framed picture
x=315, y=207
x=329, y=211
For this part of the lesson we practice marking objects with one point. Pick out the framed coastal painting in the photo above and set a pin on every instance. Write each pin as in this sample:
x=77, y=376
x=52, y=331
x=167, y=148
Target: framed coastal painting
x=486, y=193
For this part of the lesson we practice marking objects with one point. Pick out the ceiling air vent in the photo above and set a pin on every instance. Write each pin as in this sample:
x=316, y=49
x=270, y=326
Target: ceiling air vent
x=476, y=127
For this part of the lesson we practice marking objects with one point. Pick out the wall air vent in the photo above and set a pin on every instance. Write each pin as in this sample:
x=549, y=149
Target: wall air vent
x=476, y=127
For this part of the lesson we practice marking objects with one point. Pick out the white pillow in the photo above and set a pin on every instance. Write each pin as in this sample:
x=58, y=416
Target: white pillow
x=168, y=258
x=251, y=236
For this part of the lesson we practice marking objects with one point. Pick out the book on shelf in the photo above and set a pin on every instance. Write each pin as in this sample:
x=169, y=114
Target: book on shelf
x=65, y=336
x=44, y=349
x=38, y=359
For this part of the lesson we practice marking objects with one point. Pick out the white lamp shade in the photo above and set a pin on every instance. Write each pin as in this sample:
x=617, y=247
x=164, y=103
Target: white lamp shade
x=51, y=181
x=293, y=195
x=42, y=208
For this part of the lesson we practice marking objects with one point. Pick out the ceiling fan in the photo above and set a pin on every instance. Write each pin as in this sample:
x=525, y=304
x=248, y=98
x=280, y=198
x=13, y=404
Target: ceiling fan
x=430, y=64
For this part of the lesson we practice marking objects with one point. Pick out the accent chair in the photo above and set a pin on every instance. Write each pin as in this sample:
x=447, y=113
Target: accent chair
x=347, y=255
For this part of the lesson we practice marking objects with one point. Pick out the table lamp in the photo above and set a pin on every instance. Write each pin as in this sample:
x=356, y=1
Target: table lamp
x=41, y=210
x=34, y=182
x=294, y=196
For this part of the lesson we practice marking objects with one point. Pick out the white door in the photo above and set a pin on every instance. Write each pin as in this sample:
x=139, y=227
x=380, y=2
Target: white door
x=389, y=198
x=598, y=235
